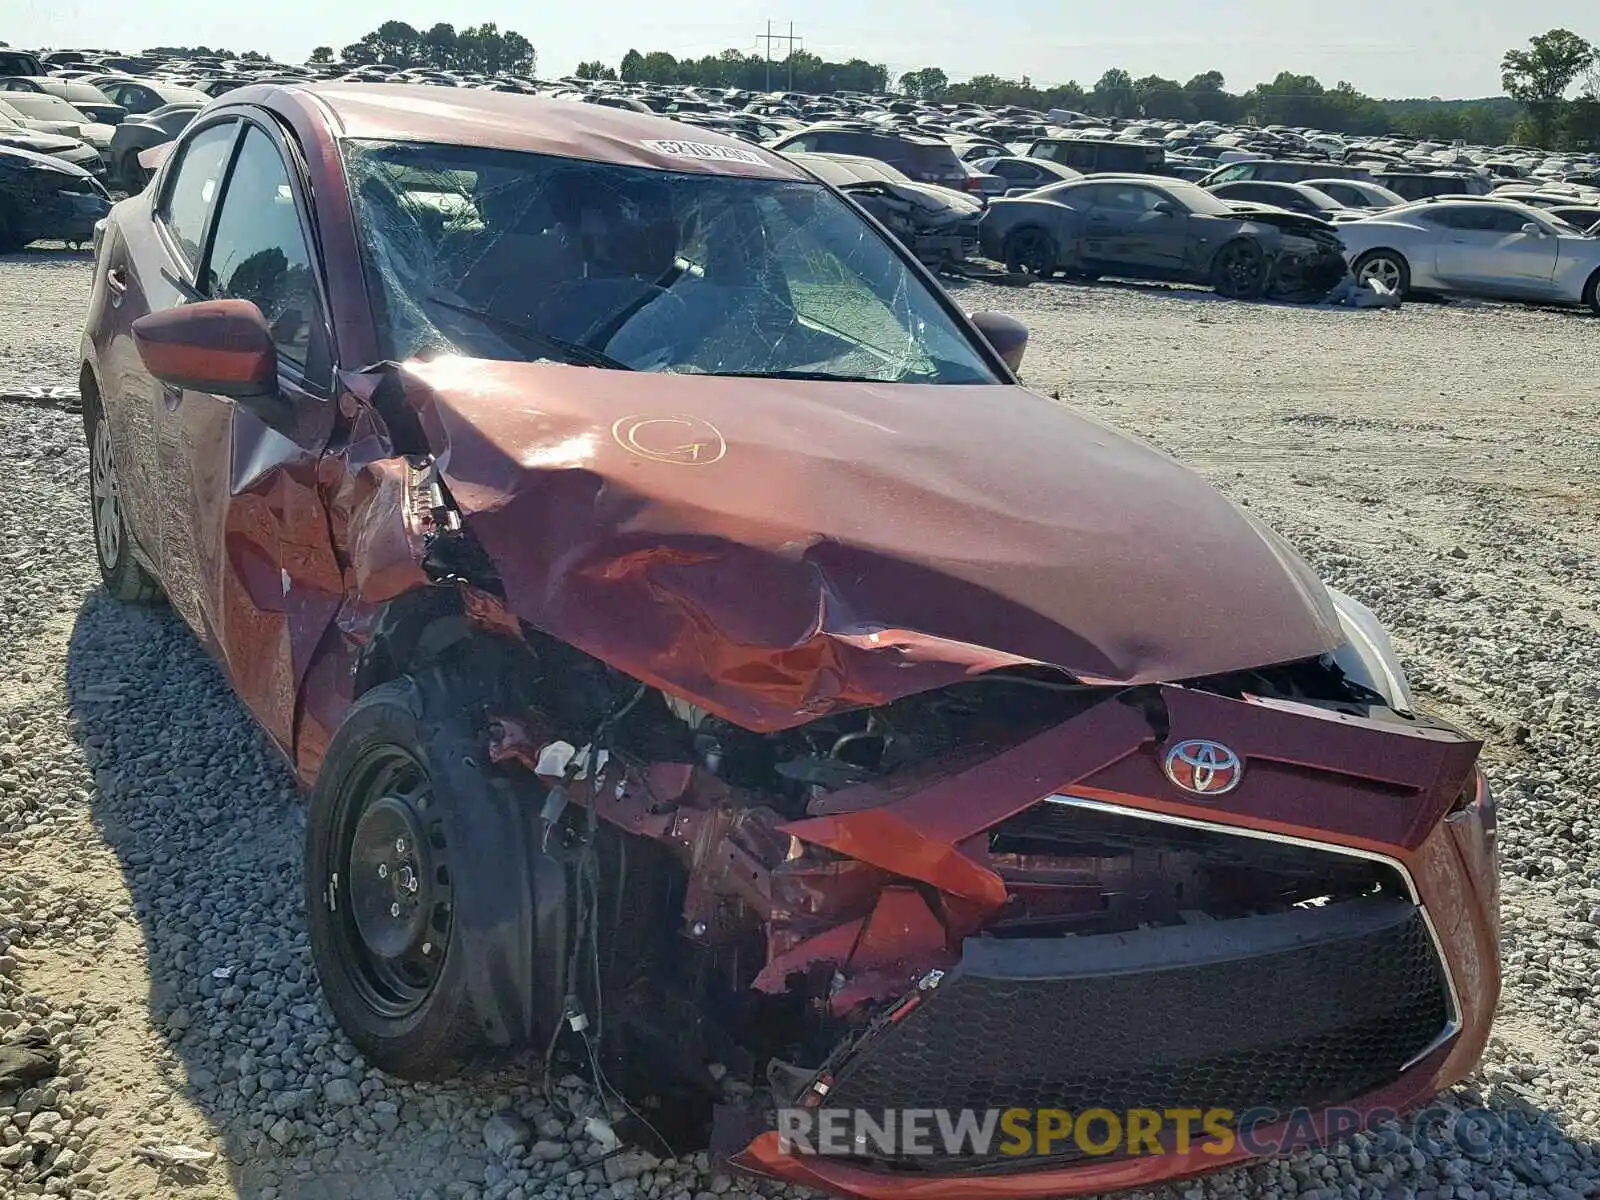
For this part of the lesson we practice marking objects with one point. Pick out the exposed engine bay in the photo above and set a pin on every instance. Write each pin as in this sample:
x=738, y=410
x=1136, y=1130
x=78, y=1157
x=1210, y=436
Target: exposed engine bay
x=720, y=944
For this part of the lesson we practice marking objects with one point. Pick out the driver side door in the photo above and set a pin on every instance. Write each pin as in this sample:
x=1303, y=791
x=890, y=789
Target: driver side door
x=1130, y=229
x=1486, y=251
x=246, y=553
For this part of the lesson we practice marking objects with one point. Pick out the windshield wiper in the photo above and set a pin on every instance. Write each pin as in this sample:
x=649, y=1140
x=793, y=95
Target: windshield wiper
x=585, y=356
x=823, y=375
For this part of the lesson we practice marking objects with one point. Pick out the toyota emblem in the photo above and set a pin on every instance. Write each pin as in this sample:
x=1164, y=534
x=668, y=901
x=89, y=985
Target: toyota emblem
x=1204, y=768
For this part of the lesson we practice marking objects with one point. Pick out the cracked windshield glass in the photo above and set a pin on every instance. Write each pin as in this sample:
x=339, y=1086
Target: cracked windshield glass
x=508, y=255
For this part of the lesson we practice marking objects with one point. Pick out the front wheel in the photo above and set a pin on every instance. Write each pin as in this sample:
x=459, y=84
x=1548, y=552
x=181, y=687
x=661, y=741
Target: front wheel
x=1031, y=251
x=1386, y=267
x=1591, y=293
x=418, y=892
x=1239, y=270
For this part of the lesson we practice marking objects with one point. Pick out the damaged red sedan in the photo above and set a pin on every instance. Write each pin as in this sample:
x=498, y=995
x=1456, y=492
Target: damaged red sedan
x=706, y=661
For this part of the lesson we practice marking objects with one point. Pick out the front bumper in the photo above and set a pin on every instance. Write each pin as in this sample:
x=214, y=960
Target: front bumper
x=66, y=215
x=1307, y=1016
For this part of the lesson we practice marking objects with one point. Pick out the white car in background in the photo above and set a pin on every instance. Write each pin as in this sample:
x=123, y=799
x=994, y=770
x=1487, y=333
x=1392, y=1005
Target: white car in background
x=1496, y=249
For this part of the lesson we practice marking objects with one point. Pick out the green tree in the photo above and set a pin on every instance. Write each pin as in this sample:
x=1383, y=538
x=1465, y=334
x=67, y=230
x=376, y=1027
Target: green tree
x=658, y=67
x=925, y=83
x=1114, y=95
x=1162, y=99
x=321, y=54
x=1210, y=100
x=395, y=42
x=632, y=66
x=594, y=70
x=439, y=45
x=1540, y=76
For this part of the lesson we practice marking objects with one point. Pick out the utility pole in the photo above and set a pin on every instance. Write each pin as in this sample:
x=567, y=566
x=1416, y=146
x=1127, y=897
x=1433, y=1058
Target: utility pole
x=769, y=37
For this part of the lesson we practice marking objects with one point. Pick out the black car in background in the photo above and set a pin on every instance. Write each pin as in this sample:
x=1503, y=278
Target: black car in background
x=1097, y=156
x=43, y=197
x=1150, y=227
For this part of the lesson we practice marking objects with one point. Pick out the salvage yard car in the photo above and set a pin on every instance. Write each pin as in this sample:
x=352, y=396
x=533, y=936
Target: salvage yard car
x=707, y=662
x=43, y=197
x=1495, y=249
x=1150, y=227
x=937, y=224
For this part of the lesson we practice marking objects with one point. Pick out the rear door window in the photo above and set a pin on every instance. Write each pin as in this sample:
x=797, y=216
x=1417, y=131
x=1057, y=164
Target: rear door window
x=192, y=189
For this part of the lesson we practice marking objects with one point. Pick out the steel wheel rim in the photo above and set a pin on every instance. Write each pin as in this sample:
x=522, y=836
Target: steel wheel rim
x=103, y=494
x=1385, y=270
x=391, y=885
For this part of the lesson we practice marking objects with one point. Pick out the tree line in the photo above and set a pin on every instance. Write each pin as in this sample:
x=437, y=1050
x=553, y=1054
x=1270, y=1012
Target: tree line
x=1535, y=111
x=1538, y=108
x=484, y=49
x=801, y=71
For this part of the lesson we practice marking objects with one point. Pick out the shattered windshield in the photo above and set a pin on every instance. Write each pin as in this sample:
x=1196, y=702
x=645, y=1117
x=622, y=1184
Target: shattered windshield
x=509, y=255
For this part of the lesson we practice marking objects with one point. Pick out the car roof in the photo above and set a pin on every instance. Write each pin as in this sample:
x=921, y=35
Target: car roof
x=513, y=121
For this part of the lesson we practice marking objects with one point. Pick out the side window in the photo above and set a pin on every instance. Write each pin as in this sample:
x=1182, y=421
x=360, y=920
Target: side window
x=195, y=180
x=258, y=253
x=1229, y=174
x=1456, y=216
x=1128, y=199
x=1504, y=220
x=806, y=143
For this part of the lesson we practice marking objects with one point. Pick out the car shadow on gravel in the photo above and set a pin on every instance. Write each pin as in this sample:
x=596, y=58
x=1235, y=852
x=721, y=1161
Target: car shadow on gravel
x=206, y=823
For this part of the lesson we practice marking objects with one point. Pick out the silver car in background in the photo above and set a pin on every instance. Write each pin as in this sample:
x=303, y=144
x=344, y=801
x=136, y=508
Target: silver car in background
x=1496, y=249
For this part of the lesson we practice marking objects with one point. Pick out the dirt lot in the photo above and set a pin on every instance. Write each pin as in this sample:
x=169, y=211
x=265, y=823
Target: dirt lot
x=1440, y=463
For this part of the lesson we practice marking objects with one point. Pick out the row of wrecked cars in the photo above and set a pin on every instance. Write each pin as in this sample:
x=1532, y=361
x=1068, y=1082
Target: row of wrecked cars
x=1003, y=192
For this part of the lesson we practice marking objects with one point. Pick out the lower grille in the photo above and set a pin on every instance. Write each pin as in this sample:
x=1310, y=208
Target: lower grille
x=1310, y=1007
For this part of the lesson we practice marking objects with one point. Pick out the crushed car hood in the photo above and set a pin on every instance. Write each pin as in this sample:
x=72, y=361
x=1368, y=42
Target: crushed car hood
x=773, y=550
x=934, y=203
x=1283, y=218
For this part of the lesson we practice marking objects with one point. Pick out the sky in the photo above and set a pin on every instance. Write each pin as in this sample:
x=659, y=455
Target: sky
x=1387, y=48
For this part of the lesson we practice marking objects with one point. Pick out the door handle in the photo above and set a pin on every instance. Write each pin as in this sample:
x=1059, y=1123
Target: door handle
x=171, y=397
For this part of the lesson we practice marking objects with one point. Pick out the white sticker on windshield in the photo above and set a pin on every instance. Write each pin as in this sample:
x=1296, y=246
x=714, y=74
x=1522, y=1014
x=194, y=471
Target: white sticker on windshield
x=705, y=150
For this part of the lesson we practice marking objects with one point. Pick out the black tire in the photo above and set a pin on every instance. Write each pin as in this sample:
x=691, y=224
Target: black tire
x=1031, y=251
x=113, y=546
x=419, y=875
x=10, y=228
x=1388, y=266
x=1239, y=270
x=1591, y=293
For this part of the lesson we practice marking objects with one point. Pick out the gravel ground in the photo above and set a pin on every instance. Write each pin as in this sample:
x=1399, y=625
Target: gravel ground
x=1439, y=463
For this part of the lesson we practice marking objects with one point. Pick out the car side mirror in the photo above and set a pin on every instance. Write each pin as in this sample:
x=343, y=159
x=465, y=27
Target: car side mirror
x=1007, y=335
x=1166, y=208
x=218, y=346
x=1533, y=230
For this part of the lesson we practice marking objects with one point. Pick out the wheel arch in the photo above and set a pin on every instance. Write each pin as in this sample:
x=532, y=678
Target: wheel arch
x=1591, y=291
x=89, y=393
